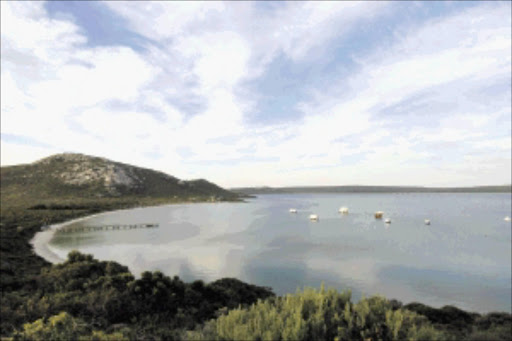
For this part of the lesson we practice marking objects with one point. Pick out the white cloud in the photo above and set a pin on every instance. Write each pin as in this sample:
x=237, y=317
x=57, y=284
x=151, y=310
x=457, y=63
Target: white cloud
x=64, y=102
x=221, y=58
x=163, y=20
x=303, y=28
x=405, y=70
x=125, y=104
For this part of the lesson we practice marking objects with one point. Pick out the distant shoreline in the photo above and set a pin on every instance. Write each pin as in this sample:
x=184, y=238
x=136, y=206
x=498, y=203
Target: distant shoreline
x=370, y=189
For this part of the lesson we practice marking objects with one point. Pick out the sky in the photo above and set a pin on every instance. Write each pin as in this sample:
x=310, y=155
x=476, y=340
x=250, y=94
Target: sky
x=264, y=93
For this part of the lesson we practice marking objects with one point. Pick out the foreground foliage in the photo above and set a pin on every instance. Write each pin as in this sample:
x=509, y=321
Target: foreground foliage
x=107, y=296
x=84, y=298
x=329, y=315
x=320, y=315
x=64, y=327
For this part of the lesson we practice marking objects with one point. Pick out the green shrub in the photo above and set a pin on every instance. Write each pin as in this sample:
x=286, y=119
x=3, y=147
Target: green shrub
x=64, y=327
x=319, y=315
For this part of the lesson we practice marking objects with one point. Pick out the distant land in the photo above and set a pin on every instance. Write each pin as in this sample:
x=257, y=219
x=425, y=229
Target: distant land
x=371, y=189
x=71, y=177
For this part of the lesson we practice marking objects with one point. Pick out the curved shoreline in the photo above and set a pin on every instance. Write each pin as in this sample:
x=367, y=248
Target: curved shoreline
x=41, y=239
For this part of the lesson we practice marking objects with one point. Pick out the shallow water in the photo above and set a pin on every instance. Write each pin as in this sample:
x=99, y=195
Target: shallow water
x=463, y=258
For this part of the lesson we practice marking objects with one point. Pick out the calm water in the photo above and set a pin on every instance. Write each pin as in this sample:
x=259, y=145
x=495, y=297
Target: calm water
x=463, y=258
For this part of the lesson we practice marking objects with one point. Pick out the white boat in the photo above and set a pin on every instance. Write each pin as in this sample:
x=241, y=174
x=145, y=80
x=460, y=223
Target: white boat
x=343, y=210
x=313, y=217
x=427, y=222
x=379, y=214
x=387, y=221
x=293, y=210
x=507, y=218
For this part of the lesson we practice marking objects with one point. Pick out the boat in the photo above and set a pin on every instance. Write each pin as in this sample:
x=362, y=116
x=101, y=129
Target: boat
x=387, y=221
x=427, y=222
x=507, y=218
x=293, y=210
x=343, y=210
x=379, y=214
x=313, y=217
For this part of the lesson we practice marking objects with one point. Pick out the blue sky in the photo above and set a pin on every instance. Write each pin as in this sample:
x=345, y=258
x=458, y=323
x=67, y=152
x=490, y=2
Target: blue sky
x=264, y=93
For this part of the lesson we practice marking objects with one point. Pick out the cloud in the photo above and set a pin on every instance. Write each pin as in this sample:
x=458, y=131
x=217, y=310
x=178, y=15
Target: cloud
x=303, y=29
x=161, y=21
x=474, y=56
x=181, y=103
x=64, y=101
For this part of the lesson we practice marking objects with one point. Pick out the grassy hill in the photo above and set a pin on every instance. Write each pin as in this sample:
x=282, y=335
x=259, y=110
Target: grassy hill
x=75, y=178
x=371, y=189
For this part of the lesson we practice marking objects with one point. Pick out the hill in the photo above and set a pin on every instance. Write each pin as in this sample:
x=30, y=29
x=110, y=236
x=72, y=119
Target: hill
x=66, y=186
x=371, y=189
x=77, y=177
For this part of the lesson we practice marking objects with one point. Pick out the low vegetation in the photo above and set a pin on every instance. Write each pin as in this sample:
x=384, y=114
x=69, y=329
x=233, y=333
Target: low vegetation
x=320, y=315
x=87, y=299
x=83, y=296
x=330, y=315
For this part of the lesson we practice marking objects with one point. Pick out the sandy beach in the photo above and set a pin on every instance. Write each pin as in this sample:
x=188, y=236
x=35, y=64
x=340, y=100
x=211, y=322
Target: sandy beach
x=42, y=239
x=40, y=245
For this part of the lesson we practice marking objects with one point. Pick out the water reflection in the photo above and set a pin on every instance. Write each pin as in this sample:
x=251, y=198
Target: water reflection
x=464, y=290
x=464, y=252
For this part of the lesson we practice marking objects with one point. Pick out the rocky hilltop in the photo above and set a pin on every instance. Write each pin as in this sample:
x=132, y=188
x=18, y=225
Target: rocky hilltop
x=82, y=170
x=84, y=176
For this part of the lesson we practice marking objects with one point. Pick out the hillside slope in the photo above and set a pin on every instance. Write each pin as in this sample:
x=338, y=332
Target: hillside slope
x=77, y=176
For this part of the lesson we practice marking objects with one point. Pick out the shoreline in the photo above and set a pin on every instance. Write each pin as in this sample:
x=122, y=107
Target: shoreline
x=41, y=239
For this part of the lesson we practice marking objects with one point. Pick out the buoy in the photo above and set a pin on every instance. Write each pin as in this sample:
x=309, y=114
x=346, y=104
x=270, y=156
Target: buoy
x=293, y=210
x=343, y=210
x=387, y=221
x=427, y=222
x=313, y=217
x=379, y=214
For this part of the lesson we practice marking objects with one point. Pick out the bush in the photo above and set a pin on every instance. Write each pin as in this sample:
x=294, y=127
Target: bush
x=63, y=327
x=319, y=315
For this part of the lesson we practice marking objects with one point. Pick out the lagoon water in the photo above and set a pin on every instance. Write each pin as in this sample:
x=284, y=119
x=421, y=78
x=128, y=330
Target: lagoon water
x=463, y=258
